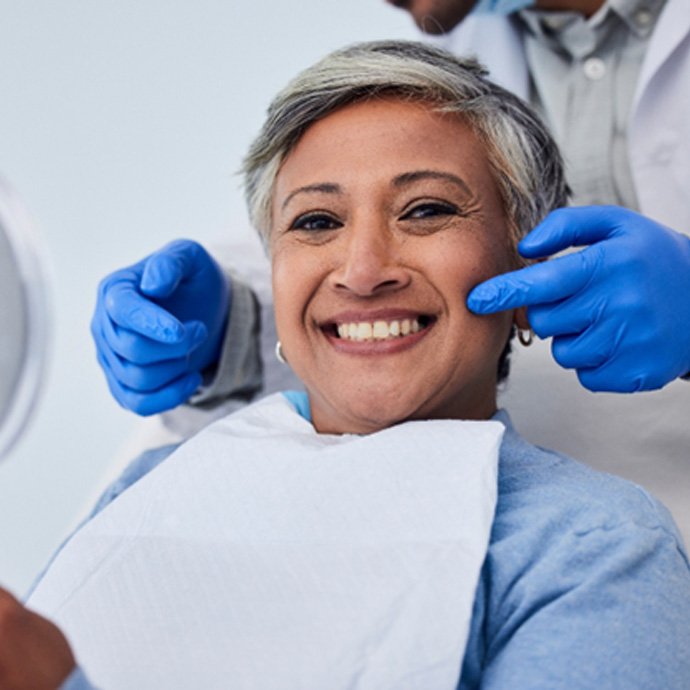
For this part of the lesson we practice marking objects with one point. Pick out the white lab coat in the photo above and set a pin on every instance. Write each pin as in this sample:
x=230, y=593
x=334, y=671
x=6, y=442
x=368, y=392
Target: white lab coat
x=659, y=134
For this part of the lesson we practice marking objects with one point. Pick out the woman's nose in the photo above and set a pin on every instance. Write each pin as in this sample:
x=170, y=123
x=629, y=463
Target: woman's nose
x=370, y=263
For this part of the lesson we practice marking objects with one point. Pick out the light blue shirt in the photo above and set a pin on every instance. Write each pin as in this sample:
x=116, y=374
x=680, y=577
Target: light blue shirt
x=586, y=582
x=583, y=77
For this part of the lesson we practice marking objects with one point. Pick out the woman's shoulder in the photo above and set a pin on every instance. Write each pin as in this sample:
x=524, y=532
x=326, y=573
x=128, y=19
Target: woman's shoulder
x=560, y=525
x=541, y=488
x=586, y=582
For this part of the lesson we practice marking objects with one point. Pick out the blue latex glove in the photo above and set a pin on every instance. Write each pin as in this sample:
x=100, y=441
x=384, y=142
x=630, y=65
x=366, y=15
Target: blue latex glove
x=500, y=6
x=618, y=310
x=158, y=324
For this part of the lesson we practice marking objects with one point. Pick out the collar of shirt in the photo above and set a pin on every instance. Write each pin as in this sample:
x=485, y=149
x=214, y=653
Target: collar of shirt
x=578, y=36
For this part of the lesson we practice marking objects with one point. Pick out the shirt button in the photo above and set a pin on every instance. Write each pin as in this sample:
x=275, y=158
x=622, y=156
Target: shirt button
x=643, y=18
x=594, y=68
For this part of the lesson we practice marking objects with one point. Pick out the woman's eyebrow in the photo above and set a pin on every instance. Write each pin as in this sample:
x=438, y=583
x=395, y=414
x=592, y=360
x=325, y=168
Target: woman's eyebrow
x=323, y=187
x=417, y=175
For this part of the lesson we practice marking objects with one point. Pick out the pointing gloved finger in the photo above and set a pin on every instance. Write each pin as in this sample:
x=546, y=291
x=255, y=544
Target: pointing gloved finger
x=546, y=282
x=138, y=349
x=571, y=227
x=168, y=397
x=168, y=267
x=129, y=309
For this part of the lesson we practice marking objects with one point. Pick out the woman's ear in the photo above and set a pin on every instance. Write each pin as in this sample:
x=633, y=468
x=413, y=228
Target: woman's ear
x=520, y=319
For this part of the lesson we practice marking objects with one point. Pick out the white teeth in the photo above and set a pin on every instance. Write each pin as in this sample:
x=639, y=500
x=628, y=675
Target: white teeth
x=364, y=330
x=378, y=330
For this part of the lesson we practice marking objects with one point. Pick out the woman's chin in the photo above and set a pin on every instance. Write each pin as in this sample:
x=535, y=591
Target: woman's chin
x=373, y=405
x=365, y=413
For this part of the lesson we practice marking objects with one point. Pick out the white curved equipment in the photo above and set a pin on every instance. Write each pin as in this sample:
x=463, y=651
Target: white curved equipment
x=24, y=321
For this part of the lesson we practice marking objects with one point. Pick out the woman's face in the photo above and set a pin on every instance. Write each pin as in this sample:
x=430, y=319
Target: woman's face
x=385, y=215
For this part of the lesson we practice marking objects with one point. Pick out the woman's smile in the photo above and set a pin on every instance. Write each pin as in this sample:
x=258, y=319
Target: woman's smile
x=383, y=331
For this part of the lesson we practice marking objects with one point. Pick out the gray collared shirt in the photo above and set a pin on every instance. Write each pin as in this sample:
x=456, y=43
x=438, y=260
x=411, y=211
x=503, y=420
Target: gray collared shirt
x=583, y=78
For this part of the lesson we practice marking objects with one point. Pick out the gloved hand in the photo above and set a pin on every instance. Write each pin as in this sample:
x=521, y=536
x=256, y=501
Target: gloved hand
x=618, y=310
x=158, y=324
x=500, y=6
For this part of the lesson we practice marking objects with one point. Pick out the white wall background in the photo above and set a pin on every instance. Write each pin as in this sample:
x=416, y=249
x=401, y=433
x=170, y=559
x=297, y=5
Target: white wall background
x=121, y=125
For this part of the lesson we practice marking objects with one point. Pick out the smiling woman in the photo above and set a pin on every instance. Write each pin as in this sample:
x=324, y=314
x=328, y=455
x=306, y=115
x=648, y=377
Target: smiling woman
x=388, y=213
x=391, y=190
x=358, y=535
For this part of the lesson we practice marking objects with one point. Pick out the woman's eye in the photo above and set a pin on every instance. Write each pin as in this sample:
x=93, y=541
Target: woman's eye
x=315, y=222
x=430, y=210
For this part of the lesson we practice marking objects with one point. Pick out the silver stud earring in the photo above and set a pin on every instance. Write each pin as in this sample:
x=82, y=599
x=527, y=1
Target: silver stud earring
x=279, y=353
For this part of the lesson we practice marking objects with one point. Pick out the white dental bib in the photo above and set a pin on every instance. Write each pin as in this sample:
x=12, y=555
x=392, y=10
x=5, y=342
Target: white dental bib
x=262, y=555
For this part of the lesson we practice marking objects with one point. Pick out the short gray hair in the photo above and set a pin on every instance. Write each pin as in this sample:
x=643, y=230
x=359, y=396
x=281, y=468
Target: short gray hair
x=523, y=157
